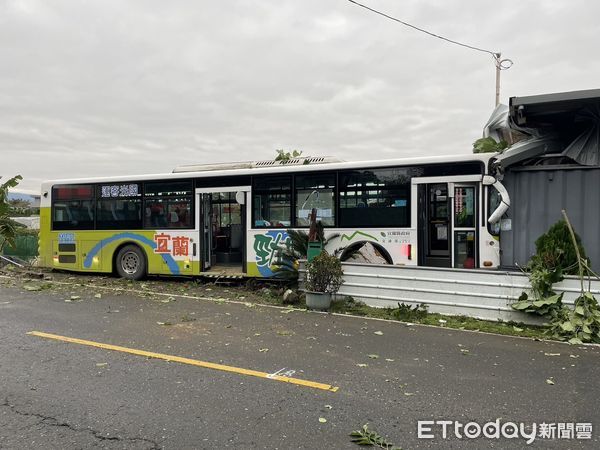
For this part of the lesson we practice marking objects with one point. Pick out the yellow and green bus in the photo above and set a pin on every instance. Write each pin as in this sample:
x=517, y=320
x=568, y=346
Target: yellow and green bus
x=232, y=218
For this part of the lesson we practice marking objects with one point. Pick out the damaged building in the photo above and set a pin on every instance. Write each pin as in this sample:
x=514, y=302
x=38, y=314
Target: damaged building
x=552, y=164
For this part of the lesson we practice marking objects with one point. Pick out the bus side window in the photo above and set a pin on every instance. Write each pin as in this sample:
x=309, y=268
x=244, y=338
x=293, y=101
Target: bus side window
x=272, y=202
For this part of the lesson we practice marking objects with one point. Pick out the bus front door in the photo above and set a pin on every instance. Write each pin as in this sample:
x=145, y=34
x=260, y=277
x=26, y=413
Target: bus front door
x=464, y=226
x=437, y=205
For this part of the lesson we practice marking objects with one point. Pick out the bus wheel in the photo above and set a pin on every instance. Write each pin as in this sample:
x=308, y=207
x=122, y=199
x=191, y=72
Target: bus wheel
x=131, y=263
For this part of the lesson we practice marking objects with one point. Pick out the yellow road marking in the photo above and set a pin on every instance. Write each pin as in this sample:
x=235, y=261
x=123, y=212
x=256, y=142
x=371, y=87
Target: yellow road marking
x=192, y=362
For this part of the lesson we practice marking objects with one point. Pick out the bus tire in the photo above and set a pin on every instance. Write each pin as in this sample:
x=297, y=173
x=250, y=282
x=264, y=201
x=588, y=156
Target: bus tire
x=131, y=263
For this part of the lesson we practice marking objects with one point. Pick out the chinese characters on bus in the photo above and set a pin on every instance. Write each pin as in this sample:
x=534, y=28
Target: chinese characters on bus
x=174, y=245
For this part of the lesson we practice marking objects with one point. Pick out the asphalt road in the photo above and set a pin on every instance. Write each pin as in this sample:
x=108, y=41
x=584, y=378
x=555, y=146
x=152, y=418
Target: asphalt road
x=63, y=395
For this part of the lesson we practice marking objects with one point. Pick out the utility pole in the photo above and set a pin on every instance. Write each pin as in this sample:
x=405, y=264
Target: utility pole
x=497, y=57
x=501, y=64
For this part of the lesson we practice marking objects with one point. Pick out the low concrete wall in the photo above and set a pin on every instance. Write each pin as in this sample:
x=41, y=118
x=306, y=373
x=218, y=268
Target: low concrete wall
x=483, y=294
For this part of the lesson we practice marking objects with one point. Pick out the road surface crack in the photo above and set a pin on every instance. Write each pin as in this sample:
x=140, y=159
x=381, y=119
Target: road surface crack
x=54, y=422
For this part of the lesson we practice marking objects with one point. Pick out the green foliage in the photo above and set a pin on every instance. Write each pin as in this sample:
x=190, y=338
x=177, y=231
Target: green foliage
x=545, y=306
x=369, y=438
x=8, y=228
x=488, y=145
x=409, y=313
x=284, y=156
x=556, y=256
x=581, y=324
x=577, y=325
x=324, y=273
x=296, y=247
x=555, y=250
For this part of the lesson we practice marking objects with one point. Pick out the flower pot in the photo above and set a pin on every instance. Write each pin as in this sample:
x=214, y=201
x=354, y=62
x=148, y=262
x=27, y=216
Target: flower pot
x=320, y=301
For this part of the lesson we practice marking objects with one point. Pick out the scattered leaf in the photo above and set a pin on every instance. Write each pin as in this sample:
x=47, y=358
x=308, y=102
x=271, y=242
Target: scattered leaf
x=98, y=296
x=551, y=354
x=389, y=359
x=373, y=356
x=328, y=406
x=378, y=333
x=362, y=365
x=322, y=420
x=263, y=350
x=573, y=356
x=101, y=364
x=75, y=297
x=549, y=381
x=32, y=287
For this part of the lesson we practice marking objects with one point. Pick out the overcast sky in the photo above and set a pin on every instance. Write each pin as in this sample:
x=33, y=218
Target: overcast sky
x=92, y=88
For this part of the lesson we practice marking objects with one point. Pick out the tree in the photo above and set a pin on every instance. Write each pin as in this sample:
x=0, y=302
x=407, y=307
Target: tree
x=296, y=247
x=8, y=227
x=488, y=145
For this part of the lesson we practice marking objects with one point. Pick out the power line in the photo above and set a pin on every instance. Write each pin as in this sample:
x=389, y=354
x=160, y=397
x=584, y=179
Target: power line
x=496, y=55
x=501, y=64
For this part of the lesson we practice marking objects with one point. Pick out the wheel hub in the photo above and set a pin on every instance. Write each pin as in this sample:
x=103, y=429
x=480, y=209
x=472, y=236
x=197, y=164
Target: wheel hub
x=130, y=262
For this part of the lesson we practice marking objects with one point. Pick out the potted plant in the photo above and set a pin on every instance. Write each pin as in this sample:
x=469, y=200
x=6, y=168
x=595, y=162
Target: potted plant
x=323, y=278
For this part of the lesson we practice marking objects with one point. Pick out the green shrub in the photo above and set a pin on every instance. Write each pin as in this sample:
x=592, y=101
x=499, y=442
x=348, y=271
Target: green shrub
x=324, y=273
x=555, y=249
x=555, y=257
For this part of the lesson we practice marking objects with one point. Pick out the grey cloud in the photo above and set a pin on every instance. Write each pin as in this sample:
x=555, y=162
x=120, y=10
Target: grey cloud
x=111, y=87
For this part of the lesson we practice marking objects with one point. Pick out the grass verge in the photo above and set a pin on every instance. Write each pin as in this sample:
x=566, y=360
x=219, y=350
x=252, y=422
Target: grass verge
x=257, y=292
x=419, y=314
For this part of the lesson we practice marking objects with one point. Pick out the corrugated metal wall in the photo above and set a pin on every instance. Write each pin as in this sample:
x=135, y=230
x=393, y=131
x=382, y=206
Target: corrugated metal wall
x=486, y=294
x=537, y=198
